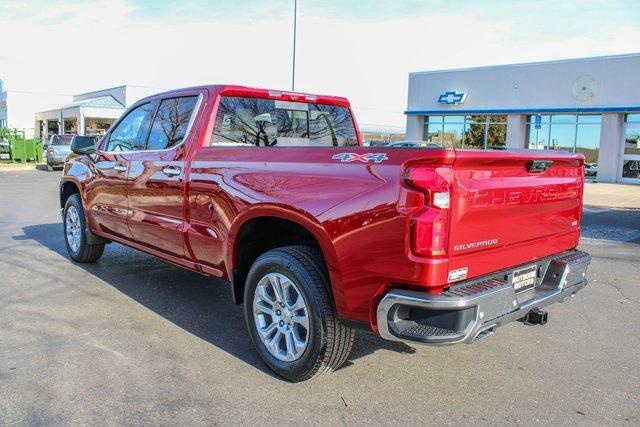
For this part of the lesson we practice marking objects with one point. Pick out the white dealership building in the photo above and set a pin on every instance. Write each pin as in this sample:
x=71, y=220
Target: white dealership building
x=589, y=105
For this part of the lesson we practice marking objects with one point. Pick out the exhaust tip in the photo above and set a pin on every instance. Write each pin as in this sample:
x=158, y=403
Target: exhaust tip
x=485, y=333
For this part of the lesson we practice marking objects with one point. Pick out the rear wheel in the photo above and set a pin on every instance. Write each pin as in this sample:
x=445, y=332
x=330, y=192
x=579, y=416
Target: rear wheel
x=290, y=315
x=75, y=233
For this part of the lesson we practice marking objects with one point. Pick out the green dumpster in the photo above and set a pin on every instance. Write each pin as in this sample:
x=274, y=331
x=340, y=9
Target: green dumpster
x=30, y=148
x=18, y=151
x=26, y=150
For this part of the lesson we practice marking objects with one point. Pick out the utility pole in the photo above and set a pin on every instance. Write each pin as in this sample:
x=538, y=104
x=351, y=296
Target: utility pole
x=295, y=18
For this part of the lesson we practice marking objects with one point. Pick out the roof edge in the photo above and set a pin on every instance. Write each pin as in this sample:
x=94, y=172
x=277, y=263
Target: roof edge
x=534, y=63
x=537, y=110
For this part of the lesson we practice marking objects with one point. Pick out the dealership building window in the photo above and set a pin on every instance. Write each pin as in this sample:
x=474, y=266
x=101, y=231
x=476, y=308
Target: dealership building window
x=631, y=156
x=577, y=133
x=480, y=131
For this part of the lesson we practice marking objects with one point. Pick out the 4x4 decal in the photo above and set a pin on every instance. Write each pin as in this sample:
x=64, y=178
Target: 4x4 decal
x=352, y=157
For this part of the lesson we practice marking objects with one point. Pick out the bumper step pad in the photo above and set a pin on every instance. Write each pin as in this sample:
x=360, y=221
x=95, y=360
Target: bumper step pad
x=419, y=331
x=468, y=290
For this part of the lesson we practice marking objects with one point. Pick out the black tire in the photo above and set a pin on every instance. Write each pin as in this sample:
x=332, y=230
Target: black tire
x=329, y=341
x=85, y=253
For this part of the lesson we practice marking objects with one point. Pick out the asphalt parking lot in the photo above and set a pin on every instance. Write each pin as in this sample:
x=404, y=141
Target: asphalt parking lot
x=134, y=340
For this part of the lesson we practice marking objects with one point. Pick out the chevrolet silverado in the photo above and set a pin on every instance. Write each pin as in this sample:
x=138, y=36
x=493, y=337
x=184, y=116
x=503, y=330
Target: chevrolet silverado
x=273, y=192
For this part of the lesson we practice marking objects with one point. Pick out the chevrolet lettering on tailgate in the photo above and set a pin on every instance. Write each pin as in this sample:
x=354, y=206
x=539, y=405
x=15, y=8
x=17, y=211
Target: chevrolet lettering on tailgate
x=482, y=198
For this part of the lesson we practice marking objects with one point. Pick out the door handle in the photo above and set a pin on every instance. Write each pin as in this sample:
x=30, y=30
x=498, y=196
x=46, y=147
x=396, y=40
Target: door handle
x=171, y=171
x=120, y=168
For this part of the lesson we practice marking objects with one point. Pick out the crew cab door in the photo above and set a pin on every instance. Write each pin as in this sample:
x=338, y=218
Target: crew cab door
x=106, y=193
x=156, y=175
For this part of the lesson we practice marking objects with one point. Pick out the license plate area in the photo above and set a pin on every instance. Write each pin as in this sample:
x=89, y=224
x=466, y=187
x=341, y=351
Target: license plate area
x=525, y=278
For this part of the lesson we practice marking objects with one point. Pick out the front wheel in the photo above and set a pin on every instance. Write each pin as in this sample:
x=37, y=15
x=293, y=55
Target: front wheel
x=75, y=233
x=290, y=315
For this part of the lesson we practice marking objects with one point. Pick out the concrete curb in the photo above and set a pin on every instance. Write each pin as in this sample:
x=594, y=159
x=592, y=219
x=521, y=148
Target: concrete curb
x=11, y=167
x=620, y=208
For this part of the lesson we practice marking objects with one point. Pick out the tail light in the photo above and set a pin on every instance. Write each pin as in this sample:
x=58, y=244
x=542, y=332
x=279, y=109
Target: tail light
x=430, y=224
x=50, y=151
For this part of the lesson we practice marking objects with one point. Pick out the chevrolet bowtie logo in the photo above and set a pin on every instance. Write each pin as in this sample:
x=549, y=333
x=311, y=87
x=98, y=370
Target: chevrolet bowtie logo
x=452, y=97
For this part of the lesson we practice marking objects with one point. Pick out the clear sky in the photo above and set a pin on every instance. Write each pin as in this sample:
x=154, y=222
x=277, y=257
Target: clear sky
x=360, y=49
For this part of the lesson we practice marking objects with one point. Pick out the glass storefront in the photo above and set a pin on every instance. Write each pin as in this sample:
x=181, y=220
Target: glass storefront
x=483, y=131
x=630, y=170
x=576, y=133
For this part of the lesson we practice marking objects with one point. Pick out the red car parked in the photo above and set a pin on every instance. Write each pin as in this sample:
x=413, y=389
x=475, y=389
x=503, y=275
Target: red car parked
x=273, y=192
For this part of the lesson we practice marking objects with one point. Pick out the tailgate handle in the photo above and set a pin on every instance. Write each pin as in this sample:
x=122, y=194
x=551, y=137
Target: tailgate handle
x=537, y=166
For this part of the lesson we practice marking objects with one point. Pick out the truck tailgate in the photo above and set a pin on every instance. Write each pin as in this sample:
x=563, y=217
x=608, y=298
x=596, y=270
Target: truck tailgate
x=498, y=200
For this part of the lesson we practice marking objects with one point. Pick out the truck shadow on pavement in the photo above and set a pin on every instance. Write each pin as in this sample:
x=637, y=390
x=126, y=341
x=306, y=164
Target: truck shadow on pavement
x=200, y=305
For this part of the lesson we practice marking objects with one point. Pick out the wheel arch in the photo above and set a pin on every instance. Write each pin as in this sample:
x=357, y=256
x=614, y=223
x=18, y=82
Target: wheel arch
x=68, y=187
x=280, y=227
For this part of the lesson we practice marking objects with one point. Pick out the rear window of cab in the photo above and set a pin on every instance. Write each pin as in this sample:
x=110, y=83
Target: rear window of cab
x=255, y=122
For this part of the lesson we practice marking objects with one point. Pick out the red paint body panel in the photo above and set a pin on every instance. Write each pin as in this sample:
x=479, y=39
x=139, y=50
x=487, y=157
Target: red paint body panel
x=359, y=212
x=156, y=201
x=105, y=195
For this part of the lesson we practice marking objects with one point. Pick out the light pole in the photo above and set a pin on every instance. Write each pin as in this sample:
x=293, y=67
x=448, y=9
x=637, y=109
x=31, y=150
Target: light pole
x=293, y=72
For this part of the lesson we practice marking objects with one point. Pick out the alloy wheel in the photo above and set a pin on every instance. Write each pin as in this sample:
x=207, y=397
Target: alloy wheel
x=72, y=228
x=281, y=317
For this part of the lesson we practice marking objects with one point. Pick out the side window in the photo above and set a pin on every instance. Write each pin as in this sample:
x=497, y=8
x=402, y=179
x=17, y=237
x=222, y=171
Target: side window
x=331, y=125
x=171, y=122
x=245, y=122
x=131, y=133
x=254, y=122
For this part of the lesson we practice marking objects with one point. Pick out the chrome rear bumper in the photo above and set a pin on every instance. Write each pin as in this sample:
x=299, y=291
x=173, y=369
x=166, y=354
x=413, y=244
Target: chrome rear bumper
x=472, y=310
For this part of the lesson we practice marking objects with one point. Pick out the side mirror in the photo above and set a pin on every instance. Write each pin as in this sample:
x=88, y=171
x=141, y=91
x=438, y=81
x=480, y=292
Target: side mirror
x=83, y=145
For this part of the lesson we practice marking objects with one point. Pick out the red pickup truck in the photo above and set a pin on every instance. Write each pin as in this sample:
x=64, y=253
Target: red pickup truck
x=273, y=192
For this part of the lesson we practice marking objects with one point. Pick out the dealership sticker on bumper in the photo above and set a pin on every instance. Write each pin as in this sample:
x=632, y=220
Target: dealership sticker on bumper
x=458, y=274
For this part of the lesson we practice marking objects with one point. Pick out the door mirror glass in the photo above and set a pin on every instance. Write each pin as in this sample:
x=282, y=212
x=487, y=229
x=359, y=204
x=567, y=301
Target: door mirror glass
x=83, y=145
